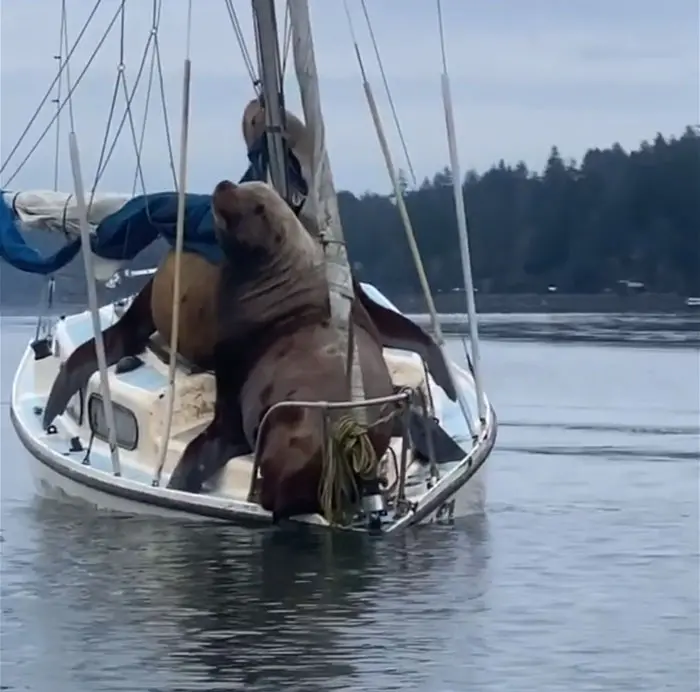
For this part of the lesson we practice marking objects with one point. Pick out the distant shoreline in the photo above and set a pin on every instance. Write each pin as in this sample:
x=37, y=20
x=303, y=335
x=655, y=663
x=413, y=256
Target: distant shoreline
x=451, y=306
x=551, y=303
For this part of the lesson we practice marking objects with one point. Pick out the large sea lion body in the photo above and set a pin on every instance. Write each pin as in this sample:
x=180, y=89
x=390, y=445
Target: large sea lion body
x=282, y=347
x=208, y=311
x=396, y=331
x=199, y=290
x=199, y=283
x=307, y=365
x=200, y=316
x=149, y=312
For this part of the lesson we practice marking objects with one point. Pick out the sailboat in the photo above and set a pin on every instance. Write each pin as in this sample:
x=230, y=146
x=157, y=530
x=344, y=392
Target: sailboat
x=121, y=436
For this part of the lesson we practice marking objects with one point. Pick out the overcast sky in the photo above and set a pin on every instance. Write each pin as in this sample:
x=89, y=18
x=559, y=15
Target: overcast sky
x=526, y=74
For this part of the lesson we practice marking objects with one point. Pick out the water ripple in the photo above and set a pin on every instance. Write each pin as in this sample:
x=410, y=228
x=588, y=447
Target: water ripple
x=582, y=576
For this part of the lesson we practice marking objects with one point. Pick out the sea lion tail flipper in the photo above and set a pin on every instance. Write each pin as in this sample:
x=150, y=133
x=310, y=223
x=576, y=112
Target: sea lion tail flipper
x=444, y=447
x=397, y=331
x=127, y=337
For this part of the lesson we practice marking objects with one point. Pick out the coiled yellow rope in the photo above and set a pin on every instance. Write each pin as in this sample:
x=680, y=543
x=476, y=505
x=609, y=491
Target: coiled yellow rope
x=349, y=455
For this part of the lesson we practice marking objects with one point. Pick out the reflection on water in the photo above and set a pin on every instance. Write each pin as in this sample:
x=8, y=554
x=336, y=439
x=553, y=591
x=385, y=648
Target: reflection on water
x=582, y=576
x=185, y=603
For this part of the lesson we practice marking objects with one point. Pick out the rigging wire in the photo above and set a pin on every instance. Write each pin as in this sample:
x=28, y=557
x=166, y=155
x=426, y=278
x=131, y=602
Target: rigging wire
x=388, y=92
x=179, y=241
x=462, y=228
x=441, y=29
x=129, y=94
x=112, y=109
x=406, y=221
x=188, y=33
x=238, y=31
x=355, y=44
x=51, y=283
x=63, y=103
x=71, y=112
x=129, y=98
x=149, y=90
x=47, y=95
x=121, y=80
x=65, y=53
x=57, y=100
x=163, y=99
x=286, y=42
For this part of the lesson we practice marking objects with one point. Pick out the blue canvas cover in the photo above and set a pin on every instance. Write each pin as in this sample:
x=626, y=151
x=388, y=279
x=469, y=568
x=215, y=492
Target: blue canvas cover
x=122, y=235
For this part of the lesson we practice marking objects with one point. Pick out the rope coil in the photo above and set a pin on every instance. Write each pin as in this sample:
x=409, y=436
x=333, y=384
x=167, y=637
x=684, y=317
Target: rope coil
x=349, y=456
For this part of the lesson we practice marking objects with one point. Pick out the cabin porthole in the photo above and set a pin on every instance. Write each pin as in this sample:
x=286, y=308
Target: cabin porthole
x=127, y=428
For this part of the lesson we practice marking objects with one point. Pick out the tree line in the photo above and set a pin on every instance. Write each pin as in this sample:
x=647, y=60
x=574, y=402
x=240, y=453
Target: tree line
x=613, y=221
x=617, y=219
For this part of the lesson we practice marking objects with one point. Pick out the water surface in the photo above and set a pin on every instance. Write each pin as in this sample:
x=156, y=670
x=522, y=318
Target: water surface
x=582, y=576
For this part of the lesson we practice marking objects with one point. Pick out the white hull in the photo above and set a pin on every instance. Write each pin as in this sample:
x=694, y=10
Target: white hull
x=470, y=500
x=57, y=469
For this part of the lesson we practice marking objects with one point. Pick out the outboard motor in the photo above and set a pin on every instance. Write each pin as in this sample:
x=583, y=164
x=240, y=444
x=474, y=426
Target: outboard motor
x=372, y=501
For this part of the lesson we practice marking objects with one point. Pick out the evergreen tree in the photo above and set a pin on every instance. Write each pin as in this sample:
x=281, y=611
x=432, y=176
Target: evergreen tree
x=585, y=228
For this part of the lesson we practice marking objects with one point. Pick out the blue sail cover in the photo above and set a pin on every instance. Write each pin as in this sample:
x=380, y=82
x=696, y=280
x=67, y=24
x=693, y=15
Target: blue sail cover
x=122, y=235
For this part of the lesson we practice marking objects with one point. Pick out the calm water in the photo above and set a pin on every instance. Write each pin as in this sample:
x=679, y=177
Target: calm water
x=583, y=576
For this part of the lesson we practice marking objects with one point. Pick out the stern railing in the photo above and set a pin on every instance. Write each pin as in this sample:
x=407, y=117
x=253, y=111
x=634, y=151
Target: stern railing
x=394, y=494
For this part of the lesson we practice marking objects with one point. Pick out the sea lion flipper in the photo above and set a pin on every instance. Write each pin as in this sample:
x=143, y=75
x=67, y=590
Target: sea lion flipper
x=444, y=447
x=397, y=331
x=220, y=441
x=127, y=337
x=203, y=457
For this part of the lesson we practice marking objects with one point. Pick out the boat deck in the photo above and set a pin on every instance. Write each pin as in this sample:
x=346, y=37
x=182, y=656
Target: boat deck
x=63, y=449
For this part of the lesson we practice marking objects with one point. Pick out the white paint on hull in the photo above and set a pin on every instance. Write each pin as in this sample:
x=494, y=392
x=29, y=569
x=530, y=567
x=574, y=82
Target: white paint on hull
x=140, y=392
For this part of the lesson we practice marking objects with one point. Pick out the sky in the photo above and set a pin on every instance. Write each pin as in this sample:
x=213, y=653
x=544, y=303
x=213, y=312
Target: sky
x=526, y=75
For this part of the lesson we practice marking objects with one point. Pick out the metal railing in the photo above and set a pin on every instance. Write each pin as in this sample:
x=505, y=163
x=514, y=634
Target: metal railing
x=403, y=400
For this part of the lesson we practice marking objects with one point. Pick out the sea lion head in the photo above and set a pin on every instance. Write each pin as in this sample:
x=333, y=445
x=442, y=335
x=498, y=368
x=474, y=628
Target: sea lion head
x=252, y=222
x=296, y=133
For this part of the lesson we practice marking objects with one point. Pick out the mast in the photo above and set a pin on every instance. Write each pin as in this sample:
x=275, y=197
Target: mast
x=322, y=202
x=265, y=24
x=461, y=223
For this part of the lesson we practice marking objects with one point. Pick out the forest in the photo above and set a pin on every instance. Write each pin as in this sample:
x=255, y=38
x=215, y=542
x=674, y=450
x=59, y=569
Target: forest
x=612, y=221
x=615, y=218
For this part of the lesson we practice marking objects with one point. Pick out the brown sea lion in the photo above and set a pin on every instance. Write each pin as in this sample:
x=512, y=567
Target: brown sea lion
x=151, y=310
x=396, y=330
x=199, y=288
x=299, y=142
x=199, y=277
x=296, y=133
x=279, y=345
